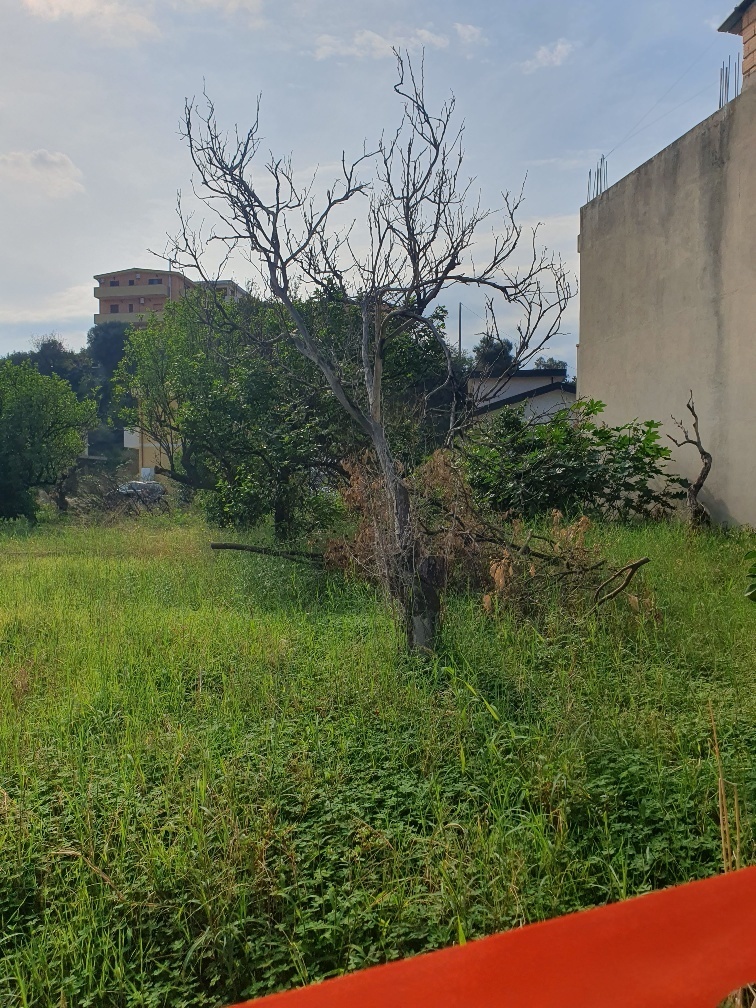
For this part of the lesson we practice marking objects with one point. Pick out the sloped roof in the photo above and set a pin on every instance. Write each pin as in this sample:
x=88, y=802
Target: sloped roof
x=734, y=22
x=523, y=372
x=488, y=407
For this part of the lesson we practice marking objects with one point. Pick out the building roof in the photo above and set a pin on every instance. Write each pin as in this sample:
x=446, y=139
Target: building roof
x=525, y=372
x=734, y=23
x=231, y=286
x=142, y=269
x=495, y=404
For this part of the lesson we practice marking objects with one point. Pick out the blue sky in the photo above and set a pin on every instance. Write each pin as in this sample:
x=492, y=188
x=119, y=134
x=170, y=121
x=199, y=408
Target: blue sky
x=92, y=92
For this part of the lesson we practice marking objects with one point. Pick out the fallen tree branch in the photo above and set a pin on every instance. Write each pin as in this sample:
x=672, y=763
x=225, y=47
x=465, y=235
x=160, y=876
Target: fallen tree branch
x=185, y=480
x=629, y=573
x=294, y=555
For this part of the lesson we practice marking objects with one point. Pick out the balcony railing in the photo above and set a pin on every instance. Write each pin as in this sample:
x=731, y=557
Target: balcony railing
x=129, y=293
x=130, y=318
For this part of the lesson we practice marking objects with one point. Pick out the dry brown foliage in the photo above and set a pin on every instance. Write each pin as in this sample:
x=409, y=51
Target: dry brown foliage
x=364, y=552
x=510, y=563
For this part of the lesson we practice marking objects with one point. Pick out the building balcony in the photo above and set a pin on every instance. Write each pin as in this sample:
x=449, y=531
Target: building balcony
x=130, y=318
x=142, y=290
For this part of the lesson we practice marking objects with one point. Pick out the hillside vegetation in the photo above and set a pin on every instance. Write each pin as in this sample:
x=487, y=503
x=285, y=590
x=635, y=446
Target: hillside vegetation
x=221, y=775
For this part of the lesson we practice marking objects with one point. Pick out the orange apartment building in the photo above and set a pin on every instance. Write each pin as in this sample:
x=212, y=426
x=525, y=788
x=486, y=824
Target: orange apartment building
x=131, y=295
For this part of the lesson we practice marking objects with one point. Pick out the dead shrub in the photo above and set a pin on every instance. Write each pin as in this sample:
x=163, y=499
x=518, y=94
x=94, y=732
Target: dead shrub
x=510, y=562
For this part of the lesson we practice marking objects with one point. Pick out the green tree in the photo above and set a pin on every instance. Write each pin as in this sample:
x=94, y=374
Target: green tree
x=50, y=356
x=493, y=355
x=234, y=414
x=239, y=411
x=107, y=342
x=549, y=363
x=106, y=345
x=42, y=428
x=89, y=378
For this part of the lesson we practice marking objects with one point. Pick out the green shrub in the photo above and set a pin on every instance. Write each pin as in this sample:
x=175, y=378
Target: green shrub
x=751, y=576
x=570, y=463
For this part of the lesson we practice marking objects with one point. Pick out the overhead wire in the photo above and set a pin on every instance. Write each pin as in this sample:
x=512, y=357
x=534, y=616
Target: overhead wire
x=472, y=310
x=665, y=114
x=635, y=129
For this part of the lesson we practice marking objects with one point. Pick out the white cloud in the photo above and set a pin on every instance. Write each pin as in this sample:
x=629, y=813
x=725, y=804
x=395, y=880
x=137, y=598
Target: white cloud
x=253, y=8
x=118, y=22
x=73, y=303
x=469, y=34
x=369, y=44
x=42, y=172
x=125, y=21
x=550, y=55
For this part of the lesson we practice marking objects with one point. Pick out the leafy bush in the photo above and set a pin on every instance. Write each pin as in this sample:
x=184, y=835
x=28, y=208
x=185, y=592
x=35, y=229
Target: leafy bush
x=570, y=463
x=42, y=427
x=751, y=575
x=298, y=509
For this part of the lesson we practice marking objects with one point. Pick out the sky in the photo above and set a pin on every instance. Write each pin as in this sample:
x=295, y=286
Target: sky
x=92, y=92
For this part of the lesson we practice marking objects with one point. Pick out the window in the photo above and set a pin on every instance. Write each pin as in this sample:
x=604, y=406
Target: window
x=141, y=300
x=131, y=283
x=131, y=307
x=155, y=280
x=115, y=283
x=114, y=309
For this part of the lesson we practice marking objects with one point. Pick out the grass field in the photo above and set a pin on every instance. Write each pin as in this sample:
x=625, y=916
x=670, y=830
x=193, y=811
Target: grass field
x=221, y=776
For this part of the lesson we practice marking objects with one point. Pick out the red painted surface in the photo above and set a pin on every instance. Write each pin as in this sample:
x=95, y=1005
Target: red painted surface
x=687, y=947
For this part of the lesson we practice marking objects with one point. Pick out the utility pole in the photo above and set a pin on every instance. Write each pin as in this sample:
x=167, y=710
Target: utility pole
x=459, y=331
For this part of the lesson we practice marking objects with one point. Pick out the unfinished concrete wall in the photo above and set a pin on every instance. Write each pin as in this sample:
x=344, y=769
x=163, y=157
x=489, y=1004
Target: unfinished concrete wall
x=668, y=299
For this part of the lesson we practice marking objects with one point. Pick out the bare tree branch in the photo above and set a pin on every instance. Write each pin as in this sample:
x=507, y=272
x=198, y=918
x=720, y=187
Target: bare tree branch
x=421, y=223
x=699, y=515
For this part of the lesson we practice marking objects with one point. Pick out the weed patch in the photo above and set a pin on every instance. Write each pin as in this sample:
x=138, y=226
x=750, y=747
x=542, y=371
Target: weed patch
x=222, y=777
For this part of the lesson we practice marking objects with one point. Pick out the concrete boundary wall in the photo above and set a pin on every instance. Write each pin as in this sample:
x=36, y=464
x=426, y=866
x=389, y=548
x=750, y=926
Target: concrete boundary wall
x=668, y=299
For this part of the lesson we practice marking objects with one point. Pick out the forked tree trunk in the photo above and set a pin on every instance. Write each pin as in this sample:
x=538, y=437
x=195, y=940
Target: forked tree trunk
x=415, y=582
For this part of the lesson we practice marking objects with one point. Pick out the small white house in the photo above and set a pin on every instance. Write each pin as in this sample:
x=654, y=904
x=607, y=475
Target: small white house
x=542, y=390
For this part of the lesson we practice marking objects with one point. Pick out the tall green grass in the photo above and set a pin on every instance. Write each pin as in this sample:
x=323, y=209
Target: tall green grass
x=222, y=776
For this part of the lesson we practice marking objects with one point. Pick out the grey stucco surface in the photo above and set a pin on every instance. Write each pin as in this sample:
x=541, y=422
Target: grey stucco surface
x=668, y=299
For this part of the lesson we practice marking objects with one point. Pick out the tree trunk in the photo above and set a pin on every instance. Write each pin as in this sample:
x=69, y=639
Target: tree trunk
x=283, y=509
x=66, y=485
x=699, y=515
x=413, y=581
x=423, y=611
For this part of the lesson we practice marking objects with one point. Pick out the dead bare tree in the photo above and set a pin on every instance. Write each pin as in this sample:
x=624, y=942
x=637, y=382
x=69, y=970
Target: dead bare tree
x=420, y=224
x=698, y=514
